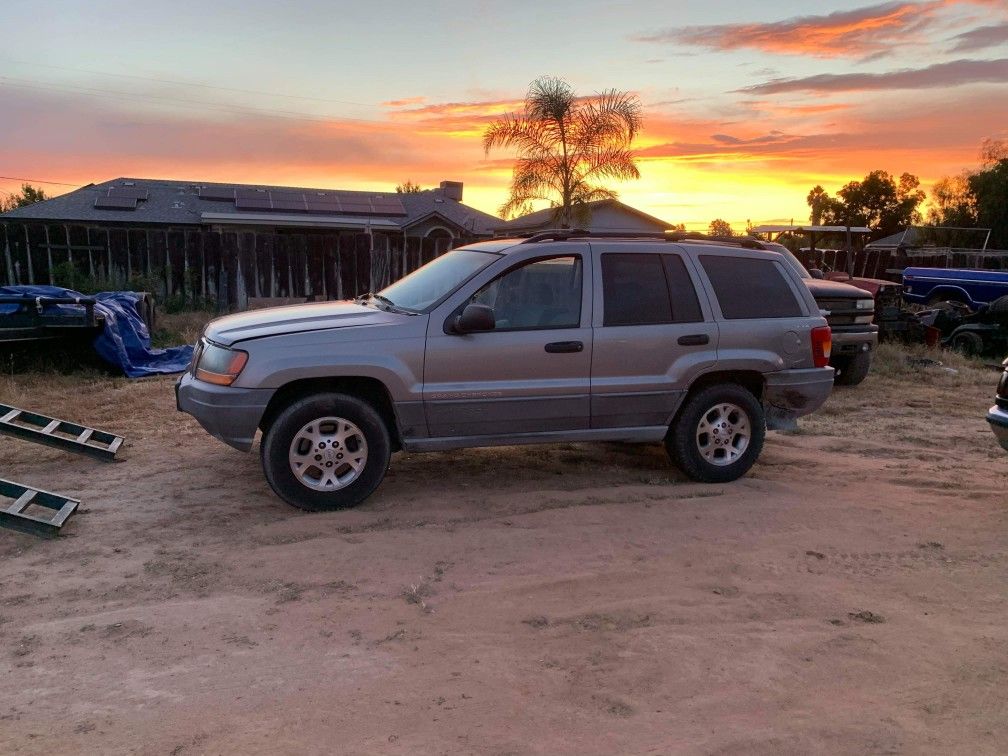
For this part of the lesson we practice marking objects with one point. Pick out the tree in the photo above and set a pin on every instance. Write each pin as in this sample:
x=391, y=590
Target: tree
x=29, y=196
x=566, y=146
x=822, y=205
x=992, y=152
x=952, y=202
x=878, y=202
x=720, y=227
x=408, y=187
x=990, y=193
x=976, y=198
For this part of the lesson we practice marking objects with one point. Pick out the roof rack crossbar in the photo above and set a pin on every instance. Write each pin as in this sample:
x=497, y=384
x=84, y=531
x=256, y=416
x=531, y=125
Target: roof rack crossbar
x=746, y=242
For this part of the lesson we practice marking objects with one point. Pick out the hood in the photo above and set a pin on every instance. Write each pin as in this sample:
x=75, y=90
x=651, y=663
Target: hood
x=871, y=285
x=274, y=321
x=823, y=289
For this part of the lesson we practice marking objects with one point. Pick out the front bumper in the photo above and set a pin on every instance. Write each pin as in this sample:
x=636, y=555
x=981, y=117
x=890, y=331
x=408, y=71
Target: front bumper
x=998, y=419
x=848, y=343
x=227, y=413
x=789, y=394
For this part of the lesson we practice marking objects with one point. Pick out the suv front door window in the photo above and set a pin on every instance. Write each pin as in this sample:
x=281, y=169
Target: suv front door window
x=541, y=294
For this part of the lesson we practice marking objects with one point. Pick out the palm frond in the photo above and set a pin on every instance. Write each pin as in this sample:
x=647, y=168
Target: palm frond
x=565, y=145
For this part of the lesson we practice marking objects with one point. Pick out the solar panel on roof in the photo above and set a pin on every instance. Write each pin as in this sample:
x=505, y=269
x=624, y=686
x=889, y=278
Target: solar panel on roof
x=115, y=203
x=246, y=193
x=388, y=206
x=288, y=201
x=217, y=192
x=253, y=203
x=323, y=206
x=128, y=192
x=356, y=205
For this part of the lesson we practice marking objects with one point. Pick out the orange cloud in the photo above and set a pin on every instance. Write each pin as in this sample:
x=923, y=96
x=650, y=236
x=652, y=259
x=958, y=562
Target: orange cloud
x=842, y=34
x=404, y=102
x=459, y=119
x=756, y=160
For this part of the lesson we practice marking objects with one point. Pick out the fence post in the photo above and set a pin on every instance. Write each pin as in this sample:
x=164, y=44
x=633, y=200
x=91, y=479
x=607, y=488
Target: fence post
x=8, y=259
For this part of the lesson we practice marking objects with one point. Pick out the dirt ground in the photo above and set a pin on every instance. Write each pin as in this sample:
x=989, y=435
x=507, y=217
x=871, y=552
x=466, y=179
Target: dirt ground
x=848, y=596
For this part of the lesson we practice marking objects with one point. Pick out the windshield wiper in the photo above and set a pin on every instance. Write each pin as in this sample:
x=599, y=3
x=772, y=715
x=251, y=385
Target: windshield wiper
x=390, y=306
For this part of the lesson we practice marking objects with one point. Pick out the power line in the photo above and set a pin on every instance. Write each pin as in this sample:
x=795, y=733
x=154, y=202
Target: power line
x=35, y=181
x=189, y=83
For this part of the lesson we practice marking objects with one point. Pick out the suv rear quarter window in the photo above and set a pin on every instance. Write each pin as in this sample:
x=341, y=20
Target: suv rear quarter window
x=749, y=287
x=647, y=289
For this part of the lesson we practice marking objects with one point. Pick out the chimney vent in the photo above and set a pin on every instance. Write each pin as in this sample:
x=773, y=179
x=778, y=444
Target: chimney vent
x=452, y=190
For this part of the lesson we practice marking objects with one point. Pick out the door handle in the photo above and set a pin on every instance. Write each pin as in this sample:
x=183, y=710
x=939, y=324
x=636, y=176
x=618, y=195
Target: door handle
x=564, y=346
x=694, y=339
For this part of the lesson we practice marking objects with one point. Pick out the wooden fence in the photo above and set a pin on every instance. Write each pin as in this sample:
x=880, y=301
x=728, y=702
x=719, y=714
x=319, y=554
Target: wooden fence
x=219, y=268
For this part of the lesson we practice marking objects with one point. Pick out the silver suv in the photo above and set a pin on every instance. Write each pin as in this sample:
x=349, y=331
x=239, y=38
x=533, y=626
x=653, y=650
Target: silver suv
x=702, y=345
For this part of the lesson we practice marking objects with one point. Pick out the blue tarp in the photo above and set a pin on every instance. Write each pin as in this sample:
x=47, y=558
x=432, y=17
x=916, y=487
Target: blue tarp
x=125, y=341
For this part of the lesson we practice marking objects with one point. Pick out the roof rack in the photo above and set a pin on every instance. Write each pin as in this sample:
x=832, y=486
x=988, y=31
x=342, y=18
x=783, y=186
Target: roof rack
x=564, y=234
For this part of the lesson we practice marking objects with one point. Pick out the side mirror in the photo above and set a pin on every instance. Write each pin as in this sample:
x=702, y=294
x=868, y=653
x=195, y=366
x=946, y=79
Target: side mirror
x=816, y=273
x=475, y=318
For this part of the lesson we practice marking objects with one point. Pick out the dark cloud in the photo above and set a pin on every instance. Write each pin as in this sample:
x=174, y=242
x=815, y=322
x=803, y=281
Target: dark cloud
x=981, y=38
x=954, y=73
x=771, y=138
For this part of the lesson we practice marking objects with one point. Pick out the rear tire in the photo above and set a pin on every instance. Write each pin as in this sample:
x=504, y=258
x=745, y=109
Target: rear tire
x=718, y=434
x=999, y=305
x=968, y=344
x=850, y=371
x=326, y=451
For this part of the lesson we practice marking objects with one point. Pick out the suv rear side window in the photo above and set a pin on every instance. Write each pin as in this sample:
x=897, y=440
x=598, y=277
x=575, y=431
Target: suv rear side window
x=747, y=287
x=636, y=290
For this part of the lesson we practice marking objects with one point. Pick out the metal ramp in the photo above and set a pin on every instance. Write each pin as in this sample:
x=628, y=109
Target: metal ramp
x=61, y=434
x=15, y=517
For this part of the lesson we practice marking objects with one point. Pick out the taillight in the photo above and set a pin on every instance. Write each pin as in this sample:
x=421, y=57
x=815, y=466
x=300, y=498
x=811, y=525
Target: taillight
x=822, y=344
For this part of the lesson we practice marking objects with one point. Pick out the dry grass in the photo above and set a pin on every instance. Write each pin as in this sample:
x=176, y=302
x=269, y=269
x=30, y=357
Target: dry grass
x=172, y=329
x=887, y=408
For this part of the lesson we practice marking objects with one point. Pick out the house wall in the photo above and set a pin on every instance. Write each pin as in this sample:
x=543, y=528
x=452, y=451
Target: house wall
x=424, y=227
x=608, y=218
x=603, y=218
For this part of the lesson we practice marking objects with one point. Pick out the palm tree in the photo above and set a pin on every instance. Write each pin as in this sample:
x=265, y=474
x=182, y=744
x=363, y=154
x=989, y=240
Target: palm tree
x=566, y=146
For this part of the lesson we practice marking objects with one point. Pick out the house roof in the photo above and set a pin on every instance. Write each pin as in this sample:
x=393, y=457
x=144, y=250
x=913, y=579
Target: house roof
x=773, y=229
x=546, y=218
x=179, y=203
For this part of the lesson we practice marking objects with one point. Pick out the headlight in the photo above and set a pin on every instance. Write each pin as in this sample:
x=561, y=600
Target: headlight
x=220, y=365
x=866, y=304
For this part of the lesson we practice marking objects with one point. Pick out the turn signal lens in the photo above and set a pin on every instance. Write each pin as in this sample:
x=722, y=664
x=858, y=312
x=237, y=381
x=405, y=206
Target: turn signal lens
x=822, y=345
x=219, y=365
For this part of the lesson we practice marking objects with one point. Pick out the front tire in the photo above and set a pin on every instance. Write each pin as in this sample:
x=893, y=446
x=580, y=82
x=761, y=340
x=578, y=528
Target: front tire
x=326, y=451
x=718, y=435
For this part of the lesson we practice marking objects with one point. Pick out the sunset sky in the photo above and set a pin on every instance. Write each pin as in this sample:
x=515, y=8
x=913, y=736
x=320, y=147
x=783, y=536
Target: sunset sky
x=747, y=105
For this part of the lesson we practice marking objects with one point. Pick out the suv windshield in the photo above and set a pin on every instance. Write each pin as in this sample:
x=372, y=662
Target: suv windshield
x=429, y=284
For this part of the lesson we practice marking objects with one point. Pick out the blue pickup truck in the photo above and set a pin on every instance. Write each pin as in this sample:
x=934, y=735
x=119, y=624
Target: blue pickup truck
x=974, y=288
